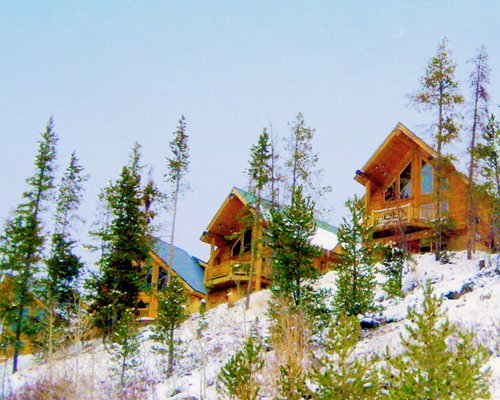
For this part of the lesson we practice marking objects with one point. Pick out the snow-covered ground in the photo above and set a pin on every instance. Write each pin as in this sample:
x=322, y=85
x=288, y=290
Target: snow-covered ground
x=203, y=356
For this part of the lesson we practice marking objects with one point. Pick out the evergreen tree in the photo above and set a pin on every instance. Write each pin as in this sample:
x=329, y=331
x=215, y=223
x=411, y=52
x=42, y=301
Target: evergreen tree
x=22, y=245
x=302, y=161
x=177, y=169
x=338, y=375
x=393, y=265
x=488, y=154
x=356, y=281
x=439, y=94
x=237, y=378
x=429, y=369
x=478, y=80
x=171, y=314
x=289, y=236
x=259, y=174
x=63, y=266
x=123, y=347
x=125, y=246
x=291, y=382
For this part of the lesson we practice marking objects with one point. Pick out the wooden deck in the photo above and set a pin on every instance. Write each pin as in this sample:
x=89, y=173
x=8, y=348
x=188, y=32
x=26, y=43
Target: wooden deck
x=406, y=215
x=231, y=271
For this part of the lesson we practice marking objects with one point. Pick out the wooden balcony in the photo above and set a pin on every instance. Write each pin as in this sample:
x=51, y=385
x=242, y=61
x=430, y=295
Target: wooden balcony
x=408, y=217
x=232, y=271
x=144, y=313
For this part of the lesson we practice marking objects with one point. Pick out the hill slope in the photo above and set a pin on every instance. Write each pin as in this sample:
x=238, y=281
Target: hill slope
x=88, y=369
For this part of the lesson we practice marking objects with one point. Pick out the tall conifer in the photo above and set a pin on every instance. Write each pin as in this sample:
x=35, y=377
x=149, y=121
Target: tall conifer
x=488, y=155
x=259, y=174
x=439, y=94
x=125, y=245
x=177, y=168
x=478, y=80
x=63, y=265
x=301, y=165
x=289, y=236
x=22, y=245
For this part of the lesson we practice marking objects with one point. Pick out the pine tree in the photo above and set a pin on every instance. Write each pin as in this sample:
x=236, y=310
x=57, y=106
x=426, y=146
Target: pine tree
x=22, y=245
x=237, y=378
x=429, y=369
x=259, y=174
x=171, y=314
x=478, y=80
x=123, y=346
x=177, y=169
x=439, y=94
x=338, y=375
x=356, y=281
x=488, y=154
x=393, y=265
x=302, y=161
x=289, y=236
x=63, y=266
x=125, y=246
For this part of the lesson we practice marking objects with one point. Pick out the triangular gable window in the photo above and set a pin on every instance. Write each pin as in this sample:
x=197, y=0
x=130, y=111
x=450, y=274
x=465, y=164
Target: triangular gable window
x=402, y=187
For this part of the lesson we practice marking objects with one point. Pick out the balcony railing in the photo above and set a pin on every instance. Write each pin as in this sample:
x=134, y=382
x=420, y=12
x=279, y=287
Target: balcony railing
x=232, y=269
x=402, y=214
x=144, y=312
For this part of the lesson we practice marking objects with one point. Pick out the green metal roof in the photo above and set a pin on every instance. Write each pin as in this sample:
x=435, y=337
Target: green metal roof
x=252, y=200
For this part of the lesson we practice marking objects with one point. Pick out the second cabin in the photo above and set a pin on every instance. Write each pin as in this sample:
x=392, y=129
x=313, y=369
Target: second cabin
x=230, y=268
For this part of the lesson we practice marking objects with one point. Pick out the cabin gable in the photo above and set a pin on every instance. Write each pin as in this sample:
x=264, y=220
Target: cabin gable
x=230, y=235
x=399, y=192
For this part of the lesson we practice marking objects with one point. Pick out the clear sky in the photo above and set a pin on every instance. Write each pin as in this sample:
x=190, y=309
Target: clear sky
x=115, y=72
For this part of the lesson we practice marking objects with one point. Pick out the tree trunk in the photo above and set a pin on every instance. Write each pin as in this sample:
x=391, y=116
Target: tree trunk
x=170, y=368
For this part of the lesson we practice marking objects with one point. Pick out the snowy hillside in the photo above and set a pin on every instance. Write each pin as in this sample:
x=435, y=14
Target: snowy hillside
x=477, y=309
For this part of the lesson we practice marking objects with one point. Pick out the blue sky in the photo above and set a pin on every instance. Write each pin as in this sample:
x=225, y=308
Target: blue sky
x=115, y=72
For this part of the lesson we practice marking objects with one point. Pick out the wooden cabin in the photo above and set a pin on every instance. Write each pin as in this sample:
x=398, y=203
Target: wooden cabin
x=189, y=269
x=399, y=195
x=228, y=268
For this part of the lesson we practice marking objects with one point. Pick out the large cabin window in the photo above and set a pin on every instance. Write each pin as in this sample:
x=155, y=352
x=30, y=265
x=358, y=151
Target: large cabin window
x=243, y=244
x=426, y=182
x=405, y=183
x=162, y=278
x=401, y=187
x=390, y=193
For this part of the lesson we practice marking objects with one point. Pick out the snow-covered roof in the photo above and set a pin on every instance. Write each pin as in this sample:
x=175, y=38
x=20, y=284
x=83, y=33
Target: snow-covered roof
x=325, y=239
x=325, y=236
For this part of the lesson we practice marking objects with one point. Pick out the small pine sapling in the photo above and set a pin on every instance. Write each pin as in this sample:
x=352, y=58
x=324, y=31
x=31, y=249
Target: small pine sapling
x=356, y=279
x=237, y=379
x=171, y=314
x=338, y=375
x=393, y=266
x=123, y=346
x=429, y=369
x=289, y=236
